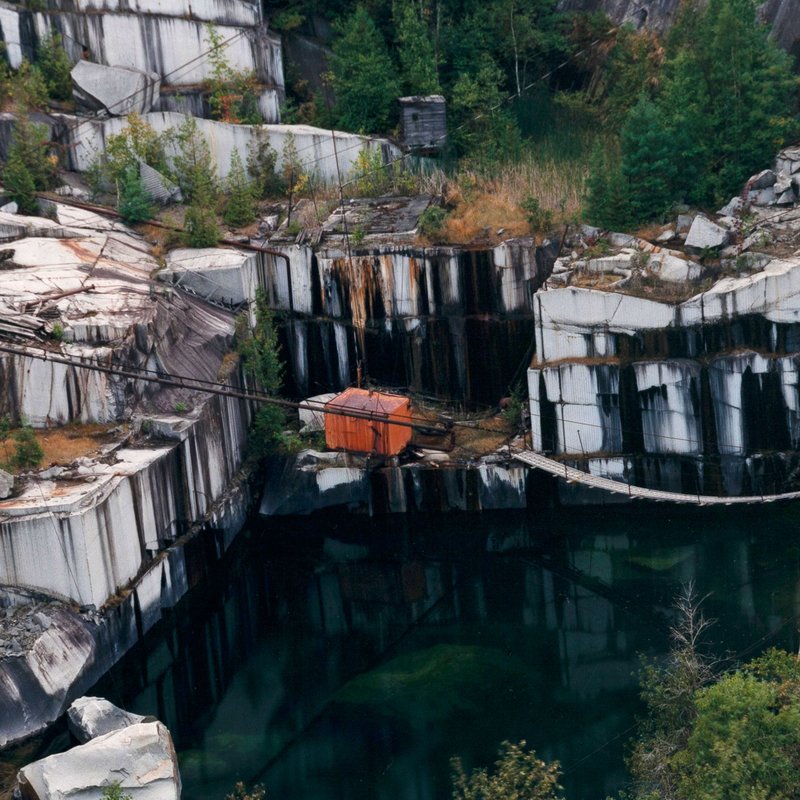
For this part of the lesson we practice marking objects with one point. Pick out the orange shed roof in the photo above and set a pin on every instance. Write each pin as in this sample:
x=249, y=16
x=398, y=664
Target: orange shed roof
x=368, y=402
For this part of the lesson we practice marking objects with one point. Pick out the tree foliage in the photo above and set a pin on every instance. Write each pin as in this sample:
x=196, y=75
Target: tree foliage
x=193, y=167
x=261, y=164
x=518, y=773
x=233, y=94
x=261, y=357
x=363, y=76
x=30, y=166
x=240, y=208
x=55, y=66
x=28, y=453
x=134, y=202
x=415, y=50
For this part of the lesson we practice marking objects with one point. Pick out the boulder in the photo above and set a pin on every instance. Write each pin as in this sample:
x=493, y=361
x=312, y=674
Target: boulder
x=117, y=91
x=763, y=180
x=90, y=717
x=159, y=188
x=786, y=198
x=762, y=197
x=684, y=223
x=312, y=418
x=6, y=484
x=705, y=234
x=733, y=207
x=141, y=757
x=788, y=161
x=673, y=269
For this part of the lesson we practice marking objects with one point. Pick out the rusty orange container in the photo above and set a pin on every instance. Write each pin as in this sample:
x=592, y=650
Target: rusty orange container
x=373, y=434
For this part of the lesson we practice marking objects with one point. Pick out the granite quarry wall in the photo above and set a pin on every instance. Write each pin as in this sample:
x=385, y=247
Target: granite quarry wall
x=448, y=322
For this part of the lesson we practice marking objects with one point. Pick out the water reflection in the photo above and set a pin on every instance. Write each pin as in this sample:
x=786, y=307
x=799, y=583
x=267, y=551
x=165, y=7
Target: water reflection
x=340, y=657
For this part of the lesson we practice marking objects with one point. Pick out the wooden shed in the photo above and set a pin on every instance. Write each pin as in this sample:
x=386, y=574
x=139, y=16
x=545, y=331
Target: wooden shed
x=424, y=122
x=370, y=429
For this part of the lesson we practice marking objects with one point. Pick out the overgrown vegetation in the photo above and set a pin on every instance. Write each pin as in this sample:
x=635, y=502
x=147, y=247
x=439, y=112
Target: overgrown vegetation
x=233, y=94
x=261, y=357
x=30, y=166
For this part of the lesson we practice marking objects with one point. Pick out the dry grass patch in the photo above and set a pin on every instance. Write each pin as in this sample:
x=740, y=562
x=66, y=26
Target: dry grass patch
x=480, y=219
x=63, y=445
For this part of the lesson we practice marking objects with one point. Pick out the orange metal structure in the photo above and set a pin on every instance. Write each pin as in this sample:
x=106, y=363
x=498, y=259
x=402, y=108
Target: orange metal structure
x=375, y=434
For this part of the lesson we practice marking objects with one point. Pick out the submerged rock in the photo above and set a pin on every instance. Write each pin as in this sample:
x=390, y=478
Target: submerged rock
x=141, y=757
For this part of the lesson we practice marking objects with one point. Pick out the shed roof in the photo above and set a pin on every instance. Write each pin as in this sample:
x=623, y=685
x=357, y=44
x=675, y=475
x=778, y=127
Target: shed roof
x=368, y=401
x=421, y=98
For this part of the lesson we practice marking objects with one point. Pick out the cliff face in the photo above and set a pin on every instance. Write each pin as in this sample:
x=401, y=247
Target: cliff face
x=783, y=16
x=442, y=321
x=145, y=35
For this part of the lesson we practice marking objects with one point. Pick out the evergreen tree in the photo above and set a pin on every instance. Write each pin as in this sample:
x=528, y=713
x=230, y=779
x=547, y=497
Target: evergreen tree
x=18, y=182
x=29, y=167
x=200, y=224
x=134, y=202
x=261, y=164
x=193, y=167
x=607, y=201
x=28, y=453
x=415, y=50
x=240, y=208
x=480, y=124
x=727, y=65
x=55, y=66
x=648, y=162
x=363, y=76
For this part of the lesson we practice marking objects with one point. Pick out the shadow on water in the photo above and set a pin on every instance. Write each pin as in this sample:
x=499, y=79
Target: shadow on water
x=343, y=657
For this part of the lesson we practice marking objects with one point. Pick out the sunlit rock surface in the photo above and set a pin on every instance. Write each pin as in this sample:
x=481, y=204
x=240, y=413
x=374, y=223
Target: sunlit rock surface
x=141, y=757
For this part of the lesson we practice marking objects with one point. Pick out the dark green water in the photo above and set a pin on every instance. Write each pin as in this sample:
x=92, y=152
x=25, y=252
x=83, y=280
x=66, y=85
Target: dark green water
x=338, y=657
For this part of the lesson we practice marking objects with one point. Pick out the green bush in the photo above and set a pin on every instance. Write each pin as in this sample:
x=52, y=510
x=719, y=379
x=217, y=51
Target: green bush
x=431, y=223
x=28, y=452
x=201, y=226
x=240, y=208
x=134, y=202
x=55, y=66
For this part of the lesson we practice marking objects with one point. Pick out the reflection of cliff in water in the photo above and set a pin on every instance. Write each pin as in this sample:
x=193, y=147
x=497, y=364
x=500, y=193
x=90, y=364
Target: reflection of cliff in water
x=353, y=664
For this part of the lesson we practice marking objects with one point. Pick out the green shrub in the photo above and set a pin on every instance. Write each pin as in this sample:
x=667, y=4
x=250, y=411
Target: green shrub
x=540, y=219
x=28, y=452
x=261, y=162
x=240, y=207
x=201, y=226
x=134, y=202
x=55, y=66
x=431, y=223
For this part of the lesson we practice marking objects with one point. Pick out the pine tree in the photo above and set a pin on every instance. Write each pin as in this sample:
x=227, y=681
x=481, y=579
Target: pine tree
x=607, y=201
x=29, y=167
x=415, y=50
x=240, y=208
x=730, y=68
x=363, y=76
x=201, y=226
x=18, y=182
x=193, y=167
x=55, y=66
x=134, y=202
x=261, y=161
x=648, y=162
